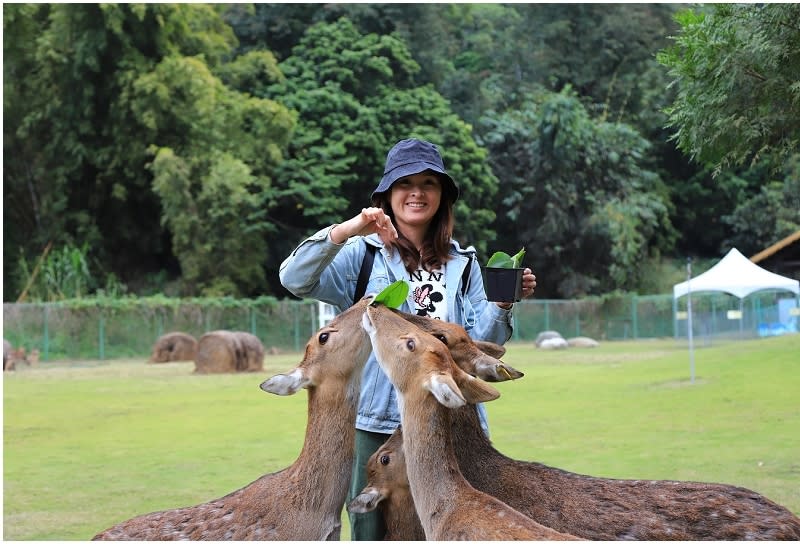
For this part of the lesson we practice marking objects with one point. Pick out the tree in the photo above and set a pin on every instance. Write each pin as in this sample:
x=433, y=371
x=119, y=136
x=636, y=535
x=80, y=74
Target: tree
x=355, y=95
x=215, y=149
x=577, y=194
x=87, y=92
x=770, y=214
x=736, y=73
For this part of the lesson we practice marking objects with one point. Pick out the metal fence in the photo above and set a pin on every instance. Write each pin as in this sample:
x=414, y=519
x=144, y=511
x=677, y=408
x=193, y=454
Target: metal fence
x=109, y=329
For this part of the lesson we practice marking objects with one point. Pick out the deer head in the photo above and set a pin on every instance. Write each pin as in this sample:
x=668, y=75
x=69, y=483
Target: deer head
x=411, y=357
x=333, y=352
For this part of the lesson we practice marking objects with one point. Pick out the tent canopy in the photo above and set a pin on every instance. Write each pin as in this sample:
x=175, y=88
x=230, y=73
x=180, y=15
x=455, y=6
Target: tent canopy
x=737, y=275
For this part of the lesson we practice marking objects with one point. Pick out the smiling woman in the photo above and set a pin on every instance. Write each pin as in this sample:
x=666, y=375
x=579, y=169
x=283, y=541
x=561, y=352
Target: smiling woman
x=415, y=199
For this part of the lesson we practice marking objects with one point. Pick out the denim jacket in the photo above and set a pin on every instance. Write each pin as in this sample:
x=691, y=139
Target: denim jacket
x=321, y=269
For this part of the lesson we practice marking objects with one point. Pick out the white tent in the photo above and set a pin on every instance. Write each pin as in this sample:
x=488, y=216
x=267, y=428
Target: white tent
x=737, y=275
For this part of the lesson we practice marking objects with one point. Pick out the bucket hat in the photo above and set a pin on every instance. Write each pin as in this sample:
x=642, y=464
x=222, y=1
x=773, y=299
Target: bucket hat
x=413, y=156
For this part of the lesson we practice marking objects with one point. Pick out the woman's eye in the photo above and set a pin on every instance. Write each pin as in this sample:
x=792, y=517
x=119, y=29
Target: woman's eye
x=411, y=345
x=384, y=460
x=323, y=337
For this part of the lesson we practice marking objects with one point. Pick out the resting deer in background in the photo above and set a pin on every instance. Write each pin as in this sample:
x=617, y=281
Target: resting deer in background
x=305, y=500
x=429, y=385
x=586, y=506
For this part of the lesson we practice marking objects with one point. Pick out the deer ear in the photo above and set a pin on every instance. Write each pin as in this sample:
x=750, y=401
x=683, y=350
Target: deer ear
x=490, y=348
x=445, y=390
x=475, y=390
x=287, y=384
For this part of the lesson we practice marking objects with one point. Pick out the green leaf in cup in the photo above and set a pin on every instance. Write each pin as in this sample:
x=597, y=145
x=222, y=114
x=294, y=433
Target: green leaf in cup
x=393, y=296
x=501, y=259
x=518, y=258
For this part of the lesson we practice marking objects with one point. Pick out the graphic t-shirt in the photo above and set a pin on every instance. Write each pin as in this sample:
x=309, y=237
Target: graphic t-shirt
x=426, y=294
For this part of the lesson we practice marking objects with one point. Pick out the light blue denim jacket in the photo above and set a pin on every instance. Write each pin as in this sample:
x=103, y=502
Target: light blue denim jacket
x=321, y=269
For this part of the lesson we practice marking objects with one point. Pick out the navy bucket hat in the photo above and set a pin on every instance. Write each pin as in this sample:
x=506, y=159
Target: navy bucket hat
x=413, y=156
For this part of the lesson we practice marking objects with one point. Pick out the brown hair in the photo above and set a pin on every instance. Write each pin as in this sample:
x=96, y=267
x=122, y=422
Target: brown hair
x=435, y=249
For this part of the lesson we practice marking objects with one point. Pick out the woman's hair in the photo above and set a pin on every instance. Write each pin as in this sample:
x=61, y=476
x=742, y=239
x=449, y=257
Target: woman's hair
x=435, y=249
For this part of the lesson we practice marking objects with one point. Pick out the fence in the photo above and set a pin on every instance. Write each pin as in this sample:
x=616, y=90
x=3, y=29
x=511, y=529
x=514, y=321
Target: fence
x=114, y=328
x=765, y=313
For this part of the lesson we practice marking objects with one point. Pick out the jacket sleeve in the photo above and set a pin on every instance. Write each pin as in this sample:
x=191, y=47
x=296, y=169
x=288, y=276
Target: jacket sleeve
x=321, y=269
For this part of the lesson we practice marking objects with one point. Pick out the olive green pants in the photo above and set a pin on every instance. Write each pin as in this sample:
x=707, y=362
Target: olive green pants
x=367, y=526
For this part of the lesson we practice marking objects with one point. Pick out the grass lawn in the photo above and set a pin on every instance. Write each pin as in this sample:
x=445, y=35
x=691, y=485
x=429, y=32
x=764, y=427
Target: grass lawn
x=89, y=444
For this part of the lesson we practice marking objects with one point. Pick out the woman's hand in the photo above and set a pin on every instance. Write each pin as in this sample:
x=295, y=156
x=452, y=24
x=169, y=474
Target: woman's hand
x=528, y=287
x=528, y=283
x=370, y=220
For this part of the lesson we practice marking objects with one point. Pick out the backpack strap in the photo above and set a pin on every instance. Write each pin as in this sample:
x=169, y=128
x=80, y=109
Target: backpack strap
x=465, y=277
x=364, y=273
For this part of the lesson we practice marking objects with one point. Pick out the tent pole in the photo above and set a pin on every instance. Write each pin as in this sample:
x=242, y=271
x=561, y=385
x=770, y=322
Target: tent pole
x=741, y=318
x=689, y=315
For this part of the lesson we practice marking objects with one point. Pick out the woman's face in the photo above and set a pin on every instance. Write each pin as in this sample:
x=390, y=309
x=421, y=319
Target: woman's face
x=415, y=200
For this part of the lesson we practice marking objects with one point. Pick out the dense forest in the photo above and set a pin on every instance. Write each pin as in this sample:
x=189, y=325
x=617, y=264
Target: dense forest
x=185, y=149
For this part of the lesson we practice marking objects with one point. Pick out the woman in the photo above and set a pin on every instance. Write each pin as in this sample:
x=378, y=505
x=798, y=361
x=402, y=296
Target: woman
x=411, y=226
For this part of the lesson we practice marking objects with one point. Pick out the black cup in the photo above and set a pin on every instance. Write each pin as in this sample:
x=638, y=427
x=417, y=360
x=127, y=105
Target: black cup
x=502, y=284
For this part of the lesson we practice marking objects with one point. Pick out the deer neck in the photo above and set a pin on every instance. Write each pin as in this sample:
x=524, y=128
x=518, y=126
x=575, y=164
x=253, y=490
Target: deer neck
x=324, y=465
x=401, y=521
x=431, y=465
x=477, y=457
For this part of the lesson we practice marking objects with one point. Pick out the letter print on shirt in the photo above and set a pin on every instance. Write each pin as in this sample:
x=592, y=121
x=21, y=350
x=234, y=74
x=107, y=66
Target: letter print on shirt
x=427, y=293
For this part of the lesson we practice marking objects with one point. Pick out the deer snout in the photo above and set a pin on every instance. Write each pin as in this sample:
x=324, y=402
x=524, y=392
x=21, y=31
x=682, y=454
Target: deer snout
x=365, y=502
x=366, y=322
x=285, y=384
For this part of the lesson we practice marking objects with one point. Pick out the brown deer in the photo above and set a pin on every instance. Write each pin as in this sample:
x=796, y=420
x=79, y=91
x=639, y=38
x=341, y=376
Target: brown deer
x=390, y=492
x=586, y=506
x=303, y=501
x=14, y=357
x=475, y=357
x=429, y=385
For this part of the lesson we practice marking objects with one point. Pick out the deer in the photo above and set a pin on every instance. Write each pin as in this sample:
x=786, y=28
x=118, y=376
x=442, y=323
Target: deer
x=14, y=357
x=585, y=506
x=390, y=492
x=303, y=501
x=429, y=386
x=477, y=357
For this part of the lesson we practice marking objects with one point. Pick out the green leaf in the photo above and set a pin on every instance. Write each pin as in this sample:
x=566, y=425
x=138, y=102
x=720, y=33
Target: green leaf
x=393, y=296
x=500, y=259
x=518, y=258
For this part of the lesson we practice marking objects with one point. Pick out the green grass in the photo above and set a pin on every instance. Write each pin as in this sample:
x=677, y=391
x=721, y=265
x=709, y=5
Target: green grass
x=87, y=445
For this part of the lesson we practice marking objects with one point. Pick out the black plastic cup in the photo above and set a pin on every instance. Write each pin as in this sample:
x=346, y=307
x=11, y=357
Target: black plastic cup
x=502, y=284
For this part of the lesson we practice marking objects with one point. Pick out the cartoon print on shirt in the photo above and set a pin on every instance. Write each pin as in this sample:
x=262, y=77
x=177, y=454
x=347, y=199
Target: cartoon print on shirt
x=424, y=297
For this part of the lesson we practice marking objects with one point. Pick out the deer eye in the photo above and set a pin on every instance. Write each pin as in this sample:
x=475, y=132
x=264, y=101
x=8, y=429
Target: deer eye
x=442, y=338
x=411, y=345
x=384, y=459
x=323, y=337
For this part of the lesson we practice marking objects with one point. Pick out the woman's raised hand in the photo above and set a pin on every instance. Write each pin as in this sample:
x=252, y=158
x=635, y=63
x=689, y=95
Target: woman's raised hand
x=370, y=220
